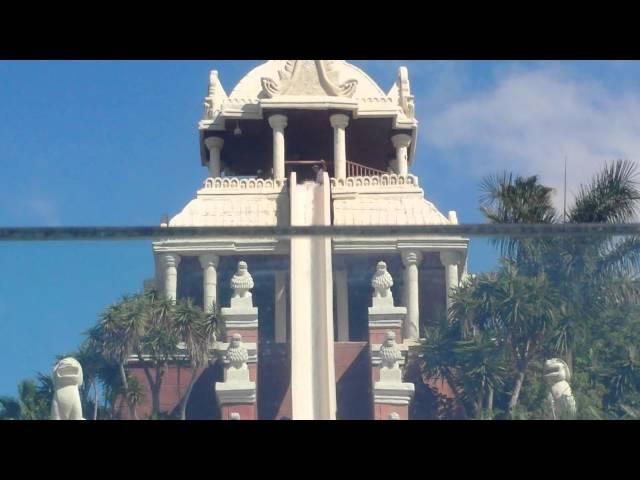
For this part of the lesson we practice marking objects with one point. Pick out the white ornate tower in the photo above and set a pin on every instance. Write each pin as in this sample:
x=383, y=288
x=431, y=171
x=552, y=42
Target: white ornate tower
x=314, y=142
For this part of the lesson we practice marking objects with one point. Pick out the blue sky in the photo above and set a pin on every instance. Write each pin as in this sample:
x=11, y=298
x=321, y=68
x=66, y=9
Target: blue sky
x=115, y=143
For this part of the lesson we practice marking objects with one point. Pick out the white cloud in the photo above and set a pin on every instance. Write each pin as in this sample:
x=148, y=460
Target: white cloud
x=531, y=120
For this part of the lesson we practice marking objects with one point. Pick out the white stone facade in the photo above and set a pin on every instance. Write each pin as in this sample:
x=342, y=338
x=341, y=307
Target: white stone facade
x=271, y=96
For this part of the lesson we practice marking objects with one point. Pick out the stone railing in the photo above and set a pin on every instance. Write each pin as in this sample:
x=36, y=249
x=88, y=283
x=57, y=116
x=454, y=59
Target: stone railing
x=358, y=170
x=242, y=185
x=366, y=183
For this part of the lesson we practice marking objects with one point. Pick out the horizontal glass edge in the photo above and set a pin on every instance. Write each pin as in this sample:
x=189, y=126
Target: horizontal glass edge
x=465, y=230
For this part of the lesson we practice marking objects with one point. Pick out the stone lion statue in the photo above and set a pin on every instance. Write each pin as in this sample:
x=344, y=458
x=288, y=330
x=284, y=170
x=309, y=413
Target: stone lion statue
x=382, y=281
x=562, y=405
x=389, y=352
x=242, y=281
x=67, y=378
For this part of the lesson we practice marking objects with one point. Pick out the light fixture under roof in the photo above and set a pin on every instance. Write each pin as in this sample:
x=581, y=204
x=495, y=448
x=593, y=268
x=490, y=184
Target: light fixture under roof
x=237, y=131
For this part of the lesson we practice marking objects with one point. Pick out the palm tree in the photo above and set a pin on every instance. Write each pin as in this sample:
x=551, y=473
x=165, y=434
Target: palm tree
x=196, y=330
x=159, y=343
x=590, y=273
x=109, y=378
x=139, y=325
x=117, y=335
x=572, y=282
x=502, y=310
x=92, y=363
x=9, y=408
x=473, y=366
x=135, y=393
x=506, y=198
x=33, y=401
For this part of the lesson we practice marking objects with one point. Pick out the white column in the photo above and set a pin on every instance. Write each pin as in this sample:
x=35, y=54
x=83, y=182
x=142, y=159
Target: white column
x=401, y=142
x=280, y=310
x=339, y=122
x=278, y=124
x=313, y=369
x=342, y=290
x=214, y=144
x=411, y=260
x=171, y=262
x=450, y=260
x=209, y=264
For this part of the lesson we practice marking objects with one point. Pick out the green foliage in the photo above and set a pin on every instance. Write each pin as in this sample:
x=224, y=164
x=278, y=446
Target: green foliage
x=157, y=331
x=33, y=401
x=577, y=298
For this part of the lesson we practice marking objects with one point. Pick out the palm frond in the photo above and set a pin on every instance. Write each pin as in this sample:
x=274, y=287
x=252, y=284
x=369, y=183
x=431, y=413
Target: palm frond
x=611, y=197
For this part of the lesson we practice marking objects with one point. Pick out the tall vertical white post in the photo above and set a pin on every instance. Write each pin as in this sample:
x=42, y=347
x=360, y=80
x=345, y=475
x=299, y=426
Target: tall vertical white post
x=313, y=382
x=401, y=142
x=278, y=124
x=214, y=144
x=209, y=264
x=411, y=260
x=281, y=306
x=339, y=122
x=171, y=262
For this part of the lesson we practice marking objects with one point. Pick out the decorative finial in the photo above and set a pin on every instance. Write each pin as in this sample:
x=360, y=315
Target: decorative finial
x=390, y=354
x=237, y=353
x=241, y=283
x=382, y=283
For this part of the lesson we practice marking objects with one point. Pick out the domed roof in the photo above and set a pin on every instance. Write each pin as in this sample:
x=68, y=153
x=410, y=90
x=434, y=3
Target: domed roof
x=312, y=77
x=285, y=85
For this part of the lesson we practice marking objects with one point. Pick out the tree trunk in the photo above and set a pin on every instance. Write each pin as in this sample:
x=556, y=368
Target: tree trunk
x=154, y=385
x=150, y=381
x=160, y=371
x=187, y=394
x=480, y=402
x=112, y=408
x=490, y=403
x=522, y=363
x=569, y=359
x=155, y=399
x=515, y=396
x=95, y=400
x=125, y=386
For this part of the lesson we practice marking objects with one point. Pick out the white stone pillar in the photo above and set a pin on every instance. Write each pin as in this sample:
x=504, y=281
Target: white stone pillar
x=214, y=144
x=342, y=291
x=278, y=124
x=280, y=310
x=339, y=122
x=450, y=260
x=209, y=264
x=401, y=142
x=170, y=263
x=411, y=260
